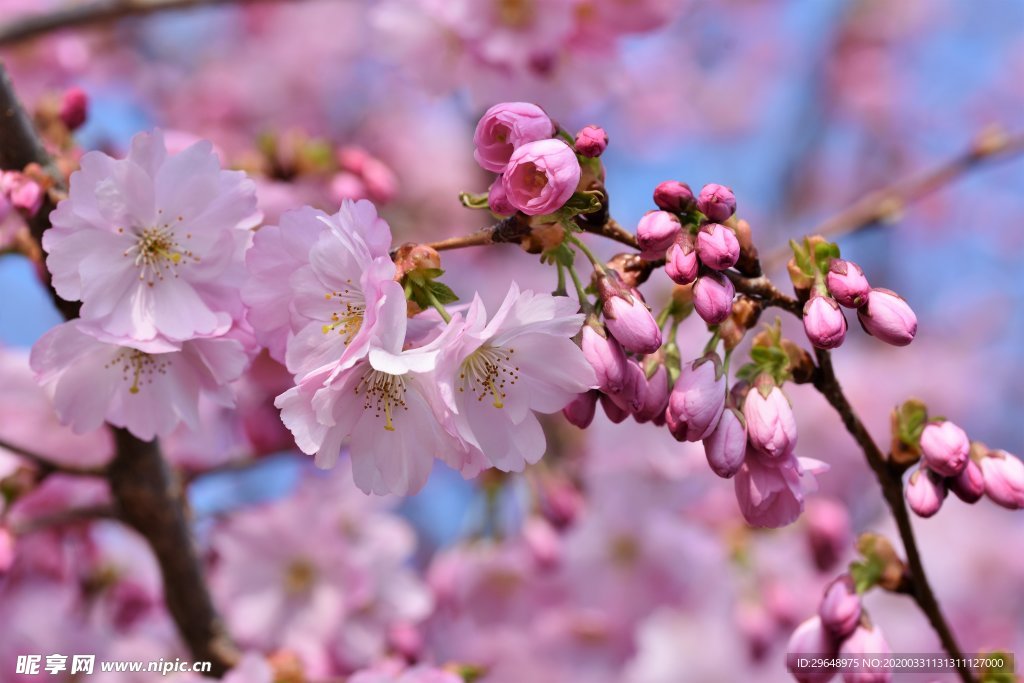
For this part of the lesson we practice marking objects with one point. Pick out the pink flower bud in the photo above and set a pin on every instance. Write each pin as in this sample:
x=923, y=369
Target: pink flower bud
x=925, y=492
x=824, y=322
x=717, y=202
x=381, y=182
x=726, y=446
x=656, y=232
x=631, y=396
x=771, y=426
x=612, y=410
x=866, y=641
x=541, y=176
x=497, y=200
x=810, y=638
x=655, y=397
x=543, y=542
x=828, y=532
x=1004, y=479
x=631, y=323
x=969, y=485
x=840, y=607
x=712, y=297
x=681, y=261
x=74, y=107
x=606, y=357
x=887, y=316
x=717, y=247
x=504, y=128
x=697, y=400
x=580, y=411
x=945, y=448
x=847, y=284
x=674, y=196
x=591, y=141
x=23, y=192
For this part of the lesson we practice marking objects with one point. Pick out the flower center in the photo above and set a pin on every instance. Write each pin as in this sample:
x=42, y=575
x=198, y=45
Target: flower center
x=487, y=372
x=533, y=178
x=157, y=253
x=348, y=320
x=383, y=393
x=624, y=550
x=299, y=576
x=137, y=367
x=516, y=14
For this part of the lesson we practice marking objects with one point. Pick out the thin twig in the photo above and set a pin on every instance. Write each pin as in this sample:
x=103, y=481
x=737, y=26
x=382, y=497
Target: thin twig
x=888, y=203
x=763, y=290
x=47, y=465
x=891, y=481
x=37, y=24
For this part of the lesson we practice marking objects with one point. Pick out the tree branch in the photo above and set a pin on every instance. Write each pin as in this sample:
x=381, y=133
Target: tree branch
x=887, y=203
x=35, y=25
x=143, y=492
x=47, y=465
x=890, y=478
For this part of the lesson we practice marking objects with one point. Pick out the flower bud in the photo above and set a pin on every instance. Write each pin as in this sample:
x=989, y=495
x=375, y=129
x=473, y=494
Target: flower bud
x=824, y=322
x=771, y=426
x=866, y=640
x=628, y=319
x=727, y=444
x=847, y=284
x=887, y=316
x=674, y=196
x=840, y=607
x=580, y=411
x=697, y=400
x=717, y=246
x=656, y=232
x=633, y=393
x=969, y=485
x=925, y=492
x=497, y=200
x=811, y=638
x=945, y=448
x=606, y=357
x=717, y=202
x=829, y=533
x=655, y=398
x=411, y=257
x=24, y=193
x=612, y=410
x=591, y=141
x=1004, y=479
x=681, y=261
x=504, y=128
x=712, y=297
x=74, y=107
x=541, y=176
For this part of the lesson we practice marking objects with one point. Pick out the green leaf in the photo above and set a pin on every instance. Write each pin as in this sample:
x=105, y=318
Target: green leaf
x=473, y=201
x=802, y=257
x=912, y=417
x=442, y=292
x=866, y=573
x=561, y=254
x=583, y=202
x=824, y=252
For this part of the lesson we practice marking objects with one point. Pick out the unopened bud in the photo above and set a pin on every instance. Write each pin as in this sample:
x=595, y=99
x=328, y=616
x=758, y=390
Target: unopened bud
x=697, y=400
x=74, y=108
x=847, y=284
x=824, y=322
x=925, y=492
x=945, y=448
x=498, y=201
x=1004, y=479
x=717, y=246
x=656, y=232
x=727, y=444
x=712, y=297
x=681, y=263
x=771, y=426
x=628, y=318
x=717, y=202
x=969, y=485
x=886, y=316
x=840, y=607
x=591, y=141
x=580, y=411
x=674, y=196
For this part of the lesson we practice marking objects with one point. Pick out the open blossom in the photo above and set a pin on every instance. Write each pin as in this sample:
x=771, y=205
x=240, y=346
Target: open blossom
x=153, y=244
x=770, y=492
x=147, y=388
x=504, y=128
x=495, y=374
x=541, y=176
x=312, y=279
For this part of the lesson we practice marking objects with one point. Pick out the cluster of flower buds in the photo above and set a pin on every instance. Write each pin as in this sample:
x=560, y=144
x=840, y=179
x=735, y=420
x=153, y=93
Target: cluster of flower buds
x=691, y=234
x=950, y=462
x=537, y=170
x=882, y=313
x=840, y=629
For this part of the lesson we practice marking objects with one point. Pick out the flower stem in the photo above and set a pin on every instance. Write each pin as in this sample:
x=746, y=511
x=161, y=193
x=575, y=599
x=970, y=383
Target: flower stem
x=596, y=262
x=581, y=291
x=438, y=306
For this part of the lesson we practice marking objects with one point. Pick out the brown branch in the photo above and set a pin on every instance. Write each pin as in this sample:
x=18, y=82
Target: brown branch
x=890, y=478
x=35, y=25
x=143, y=492
x=47, y=465
x=764, y=291
x=887, y=203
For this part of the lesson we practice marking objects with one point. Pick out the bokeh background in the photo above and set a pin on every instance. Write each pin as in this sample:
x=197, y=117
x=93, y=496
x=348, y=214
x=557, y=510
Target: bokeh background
x=801, y=106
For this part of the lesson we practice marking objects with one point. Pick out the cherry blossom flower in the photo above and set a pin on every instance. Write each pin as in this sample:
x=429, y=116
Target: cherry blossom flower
x=147, y=388
x=153, y=244
x=495, y=374
x=771, y=491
